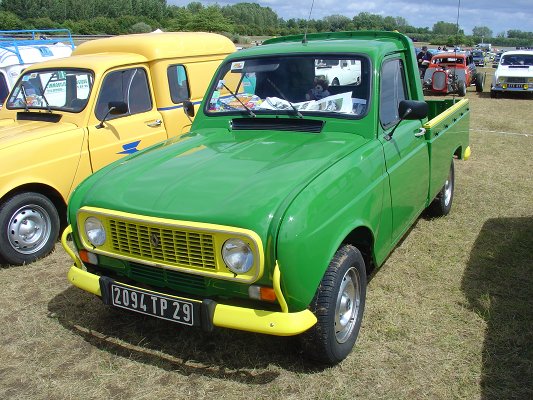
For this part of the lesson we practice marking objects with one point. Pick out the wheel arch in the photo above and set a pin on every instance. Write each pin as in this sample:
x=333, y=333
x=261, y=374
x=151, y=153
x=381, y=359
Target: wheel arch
x=51, y=193
x=362, y=238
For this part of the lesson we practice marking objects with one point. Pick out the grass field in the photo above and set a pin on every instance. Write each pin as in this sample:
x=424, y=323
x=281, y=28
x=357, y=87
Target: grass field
x=450, y=314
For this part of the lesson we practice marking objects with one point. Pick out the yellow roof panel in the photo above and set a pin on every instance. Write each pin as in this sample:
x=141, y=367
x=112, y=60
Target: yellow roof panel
x=154, y=46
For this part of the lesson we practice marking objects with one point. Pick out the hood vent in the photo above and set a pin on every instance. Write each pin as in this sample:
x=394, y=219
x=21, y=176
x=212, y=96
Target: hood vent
x=38, y=116
x=278, y=124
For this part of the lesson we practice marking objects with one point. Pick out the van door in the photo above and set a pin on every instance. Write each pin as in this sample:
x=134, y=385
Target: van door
x=406, y=155
x=140, y=127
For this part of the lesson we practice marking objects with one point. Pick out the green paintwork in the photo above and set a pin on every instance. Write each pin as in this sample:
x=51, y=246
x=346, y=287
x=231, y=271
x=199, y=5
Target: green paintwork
x=304, y=194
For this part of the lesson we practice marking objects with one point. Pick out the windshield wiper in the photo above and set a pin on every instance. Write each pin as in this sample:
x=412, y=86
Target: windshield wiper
x=23, y=91
x=46, y=101
x=250, y=112
x=298, y=113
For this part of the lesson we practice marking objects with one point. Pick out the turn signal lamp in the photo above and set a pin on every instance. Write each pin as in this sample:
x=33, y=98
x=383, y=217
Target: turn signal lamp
x=504, y=86
x=88, y=257
x=262, y=293
x=526, y=86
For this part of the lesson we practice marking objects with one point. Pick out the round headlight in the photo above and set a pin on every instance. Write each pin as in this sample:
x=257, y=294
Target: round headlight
x=501, y=79
x=95, y=231
x=237, y=255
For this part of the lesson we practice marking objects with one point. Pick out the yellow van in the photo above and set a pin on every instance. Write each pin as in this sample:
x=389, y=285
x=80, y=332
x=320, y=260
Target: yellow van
x=66, y=118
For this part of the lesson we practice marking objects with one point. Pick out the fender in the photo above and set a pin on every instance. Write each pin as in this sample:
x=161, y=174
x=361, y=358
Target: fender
x=323, y=215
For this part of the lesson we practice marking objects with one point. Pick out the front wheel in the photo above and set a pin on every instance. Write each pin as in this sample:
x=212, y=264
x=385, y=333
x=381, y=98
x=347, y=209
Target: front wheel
x=442, y=204
x=461, y=88
x=29, y=227
x=338, y=304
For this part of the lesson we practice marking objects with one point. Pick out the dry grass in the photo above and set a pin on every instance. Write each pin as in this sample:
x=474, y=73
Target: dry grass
x=448, y=316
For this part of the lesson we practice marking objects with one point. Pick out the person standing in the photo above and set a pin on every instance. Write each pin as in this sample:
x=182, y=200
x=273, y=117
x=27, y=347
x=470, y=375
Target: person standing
x=423, y=58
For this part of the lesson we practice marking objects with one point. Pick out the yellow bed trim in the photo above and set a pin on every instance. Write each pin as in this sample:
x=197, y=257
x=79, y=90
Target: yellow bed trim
x=445, y=114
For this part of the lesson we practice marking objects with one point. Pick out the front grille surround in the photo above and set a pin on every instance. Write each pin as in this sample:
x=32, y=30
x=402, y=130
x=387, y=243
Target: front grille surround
x=183, y=246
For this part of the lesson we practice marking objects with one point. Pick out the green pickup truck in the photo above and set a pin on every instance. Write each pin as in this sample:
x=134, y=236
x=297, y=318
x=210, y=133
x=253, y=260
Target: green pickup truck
x=287, y=192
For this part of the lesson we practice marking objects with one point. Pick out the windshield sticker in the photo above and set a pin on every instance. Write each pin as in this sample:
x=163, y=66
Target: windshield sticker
x=61, y=75
x=216, y=95
x=237, y=65
x=25, y=78
x=33, y=76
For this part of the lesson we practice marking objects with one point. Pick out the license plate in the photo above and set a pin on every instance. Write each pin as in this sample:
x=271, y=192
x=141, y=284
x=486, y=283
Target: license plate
x=515, y=85
x=156, y=305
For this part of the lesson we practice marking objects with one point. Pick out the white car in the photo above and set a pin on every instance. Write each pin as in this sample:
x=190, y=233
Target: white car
x=18, y=49
x=514, y=73
x=339, y=72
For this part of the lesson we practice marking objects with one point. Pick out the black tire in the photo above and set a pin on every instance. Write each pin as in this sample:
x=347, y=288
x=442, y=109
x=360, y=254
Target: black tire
x=442, y=204
x=29, y=227
x=338, y=304
x=335, y=82
x=480, y=81
x=461, y=88
x=493, y=94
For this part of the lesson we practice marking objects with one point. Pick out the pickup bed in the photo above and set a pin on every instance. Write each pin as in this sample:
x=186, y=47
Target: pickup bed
x=271, y=212
x=67, y=118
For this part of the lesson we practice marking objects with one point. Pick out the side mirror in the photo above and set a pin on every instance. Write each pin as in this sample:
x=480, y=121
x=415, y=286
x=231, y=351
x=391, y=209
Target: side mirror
x=114, y=108
x=188, y=108
x=412, y=109
x=117, y=107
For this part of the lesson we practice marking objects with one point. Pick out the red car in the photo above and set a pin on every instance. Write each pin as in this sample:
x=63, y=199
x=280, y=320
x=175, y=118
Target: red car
x=452, y=73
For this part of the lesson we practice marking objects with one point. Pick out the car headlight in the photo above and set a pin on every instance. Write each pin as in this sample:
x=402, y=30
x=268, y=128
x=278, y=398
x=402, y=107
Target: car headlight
x=237, y=255
x=501, y=79
x=530, y=80
x=94, y=229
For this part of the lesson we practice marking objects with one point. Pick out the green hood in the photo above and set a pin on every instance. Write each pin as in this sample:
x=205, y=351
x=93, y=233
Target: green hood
x=239, y=178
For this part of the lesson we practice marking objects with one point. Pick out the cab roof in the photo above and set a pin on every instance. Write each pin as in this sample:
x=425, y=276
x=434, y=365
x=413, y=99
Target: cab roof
x=161, y=45
x=364, y=42
x=100, y=55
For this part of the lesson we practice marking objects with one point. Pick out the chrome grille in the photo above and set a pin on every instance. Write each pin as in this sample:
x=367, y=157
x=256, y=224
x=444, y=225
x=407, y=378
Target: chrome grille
x=516, y=79
x=167, y=245
x=439, y=80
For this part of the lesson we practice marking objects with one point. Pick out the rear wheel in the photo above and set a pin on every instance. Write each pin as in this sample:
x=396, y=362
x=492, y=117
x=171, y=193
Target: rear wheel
x=480, y=80
x=29, y=227
x=442, y=204
x=338, y=304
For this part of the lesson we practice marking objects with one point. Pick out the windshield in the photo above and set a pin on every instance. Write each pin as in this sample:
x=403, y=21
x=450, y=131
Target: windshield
x=61, y=90
x=517, y=59
x=477, y=54
x=293, y=85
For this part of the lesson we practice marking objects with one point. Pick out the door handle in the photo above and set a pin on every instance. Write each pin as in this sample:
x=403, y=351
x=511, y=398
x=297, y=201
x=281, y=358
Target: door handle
x=155, y=124
x=421, y=132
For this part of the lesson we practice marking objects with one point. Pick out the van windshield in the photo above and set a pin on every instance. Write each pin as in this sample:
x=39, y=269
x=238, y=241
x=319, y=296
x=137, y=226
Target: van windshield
x=61, y=90
x=292, y=83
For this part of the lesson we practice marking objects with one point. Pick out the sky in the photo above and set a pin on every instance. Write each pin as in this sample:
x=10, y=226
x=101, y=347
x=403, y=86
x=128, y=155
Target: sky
x=499, y=15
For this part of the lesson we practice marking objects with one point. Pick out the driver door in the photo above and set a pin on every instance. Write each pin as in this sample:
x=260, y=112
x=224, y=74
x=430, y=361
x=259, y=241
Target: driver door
x=406, y=153
x=140, y=127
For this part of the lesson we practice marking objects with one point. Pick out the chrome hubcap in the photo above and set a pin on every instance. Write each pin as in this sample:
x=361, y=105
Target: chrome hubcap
x=347, y=306
x=448, y=191
x=29, y=229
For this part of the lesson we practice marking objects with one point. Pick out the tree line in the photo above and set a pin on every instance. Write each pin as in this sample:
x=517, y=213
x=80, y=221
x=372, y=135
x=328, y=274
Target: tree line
x=136, y=16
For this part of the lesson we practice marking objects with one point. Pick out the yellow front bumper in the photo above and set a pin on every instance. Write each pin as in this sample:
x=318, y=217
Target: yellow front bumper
x=226, y=316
